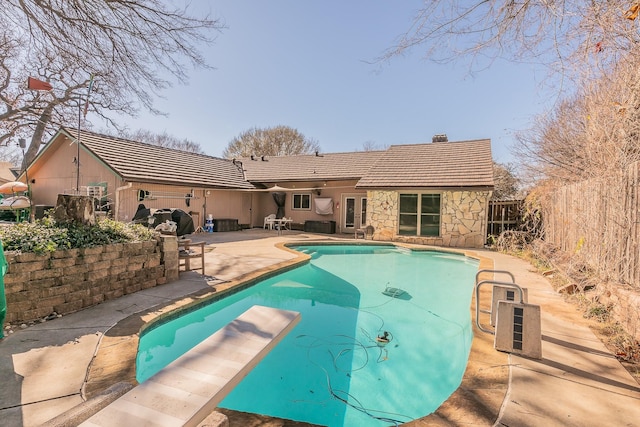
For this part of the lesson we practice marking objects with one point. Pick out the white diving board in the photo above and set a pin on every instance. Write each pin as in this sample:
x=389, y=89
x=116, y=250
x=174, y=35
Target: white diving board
x=186, y=391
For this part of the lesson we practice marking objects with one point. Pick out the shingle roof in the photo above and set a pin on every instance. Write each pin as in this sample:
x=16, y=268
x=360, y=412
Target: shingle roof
x=137, y=161
x=436, y=164
x=310, y=167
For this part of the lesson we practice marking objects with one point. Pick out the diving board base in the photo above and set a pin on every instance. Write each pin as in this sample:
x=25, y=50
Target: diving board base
x=191, y=387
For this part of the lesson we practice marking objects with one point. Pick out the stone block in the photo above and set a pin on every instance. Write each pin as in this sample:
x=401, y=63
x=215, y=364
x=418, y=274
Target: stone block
x=10, y=256
x=138, y=259
x=78, y=295
x=97, y=274
x=99, y=265
x=65, y=253
x=95, y=250
x=148, y=284
x=88, y=259
x=61, y=262
x=132, y=249
x=58, y=290
x=43, y=284
x=151, y=263
x=132, y=288
x=30, y=266
x=119, y=262
x=19, y=307
x=75, y=270
x=52, y=301
x=31, y=257
x=116, y=271
x=47, y=274
x=119, y=284
x=110, y=256
x=13, y=288
x=127, y=275
x=17, y=277
x=100, y=289
x=132, y=268
x=93, y=300
x=113, y=248
x=150, y=246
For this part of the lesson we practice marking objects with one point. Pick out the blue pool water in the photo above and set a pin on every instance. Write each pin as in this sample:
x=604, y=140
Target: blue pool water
x=330, y=370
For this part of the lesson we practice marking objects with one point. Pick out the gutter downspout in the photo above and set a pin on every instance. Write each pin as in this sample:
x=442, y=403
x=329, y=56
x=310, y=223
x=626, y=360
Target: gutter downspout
x=117, y=203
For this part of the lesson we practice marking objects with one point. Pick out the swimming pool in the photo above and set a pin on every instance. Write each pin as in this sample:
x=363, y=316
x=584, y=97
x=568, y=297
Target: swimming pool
x=332, y=369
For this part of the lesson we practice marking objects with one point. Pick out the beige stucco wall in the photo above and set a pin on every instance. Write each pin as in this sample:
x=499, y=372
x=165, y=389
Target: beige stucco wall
x=218, y=203
x=58, y=171
x=463, y=218
x=264, y=204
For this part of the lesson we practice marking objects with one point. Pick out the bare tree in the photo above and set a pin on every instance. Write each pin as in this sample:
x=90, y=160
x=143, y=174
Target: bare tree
x=133, y=48
x=506, y=182
x=572, y=36
x=274, y=141
x=594, y=133
x=370, y=145
x=162, y=140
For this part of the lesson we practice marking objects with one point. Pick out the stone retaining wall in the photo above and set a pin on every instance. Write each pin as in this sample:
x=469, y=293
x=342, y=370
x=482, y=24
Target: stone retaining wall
x=70, y=280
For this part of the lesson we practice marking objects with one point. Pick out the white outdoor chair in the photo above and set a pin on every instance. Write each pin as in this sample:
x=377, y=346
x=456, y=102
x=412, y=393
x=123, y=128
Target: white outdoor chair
x=268, y=221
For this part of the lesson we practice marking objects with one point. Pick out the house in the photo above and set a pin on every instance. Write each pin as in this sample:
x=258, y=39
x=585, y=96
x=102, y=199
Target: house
x=7, y=172
x=434, y=193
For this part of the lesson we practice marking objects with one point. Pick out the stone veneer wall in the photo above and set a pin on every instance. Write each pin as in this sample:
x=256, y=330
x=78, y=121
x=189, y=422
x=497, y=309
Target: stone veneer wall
x=70, y=280
x=463, y=219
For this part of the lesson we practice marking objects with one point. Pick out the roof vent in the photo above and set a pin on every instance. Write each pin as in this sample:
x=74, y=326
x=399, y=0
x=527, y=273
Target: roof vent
x=264, y=158
x=318, y=154
x=441, y=137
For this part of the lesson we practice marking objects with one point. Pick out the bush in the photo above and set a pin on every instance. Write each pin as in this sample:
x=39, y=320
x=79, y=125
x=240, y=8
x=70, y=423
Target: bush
x=45, y=235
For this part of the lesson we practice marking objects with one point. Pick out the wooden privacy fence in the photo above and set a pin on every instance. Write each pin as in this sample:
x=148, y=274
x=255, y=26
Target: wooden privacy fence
x=503, y=215
x=599, y=220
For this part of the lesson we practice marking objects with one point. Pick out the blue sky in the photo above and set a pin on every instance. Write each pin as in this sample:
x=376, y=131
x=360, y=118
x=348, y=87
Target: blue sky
x=309, y=65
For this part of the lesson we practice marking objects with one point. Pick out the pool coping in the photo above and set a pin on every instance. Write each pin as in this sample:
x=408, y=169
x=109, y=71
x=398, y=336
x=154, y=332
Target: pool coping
x=478, y=400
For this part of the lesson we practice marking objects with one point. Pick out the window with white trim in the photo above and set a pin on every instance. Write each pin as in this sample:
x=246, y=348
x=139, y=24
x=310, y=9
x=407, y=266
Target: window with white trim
x=419, y=215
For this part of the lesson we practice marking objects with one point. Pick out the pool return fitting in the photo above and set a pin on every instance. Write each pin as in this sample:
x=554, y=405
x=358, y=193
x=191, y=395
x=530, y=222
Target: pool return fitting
x=517, y=324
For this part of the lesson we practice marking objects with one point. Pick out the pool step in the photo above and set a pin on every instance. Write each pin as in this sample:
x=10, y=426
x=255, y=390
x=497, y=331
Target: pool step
x=311, y=252
x=191, y=387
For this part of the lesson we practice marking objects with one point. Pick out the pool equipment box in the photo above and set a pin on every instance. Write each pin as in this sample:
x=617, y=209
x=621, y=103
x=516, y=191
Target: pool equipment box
x=325, y=227
x=518, y=329
x=225, y=224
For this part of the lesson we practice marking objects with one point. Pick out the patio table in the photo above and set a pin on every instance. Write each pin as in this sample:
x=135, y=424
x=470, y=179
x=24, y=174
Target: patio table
x=281, y=223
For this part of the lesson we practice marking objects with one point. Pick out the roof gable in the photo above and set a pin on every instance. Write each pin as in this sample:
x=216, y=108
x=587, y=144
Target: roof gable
x=436, y=164
x=137, y=161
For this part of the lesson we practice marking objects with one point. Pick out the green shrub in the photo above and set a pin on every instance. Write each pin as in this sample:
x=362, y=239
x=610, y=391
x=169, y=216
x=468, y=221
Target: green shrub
x=45, y=235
